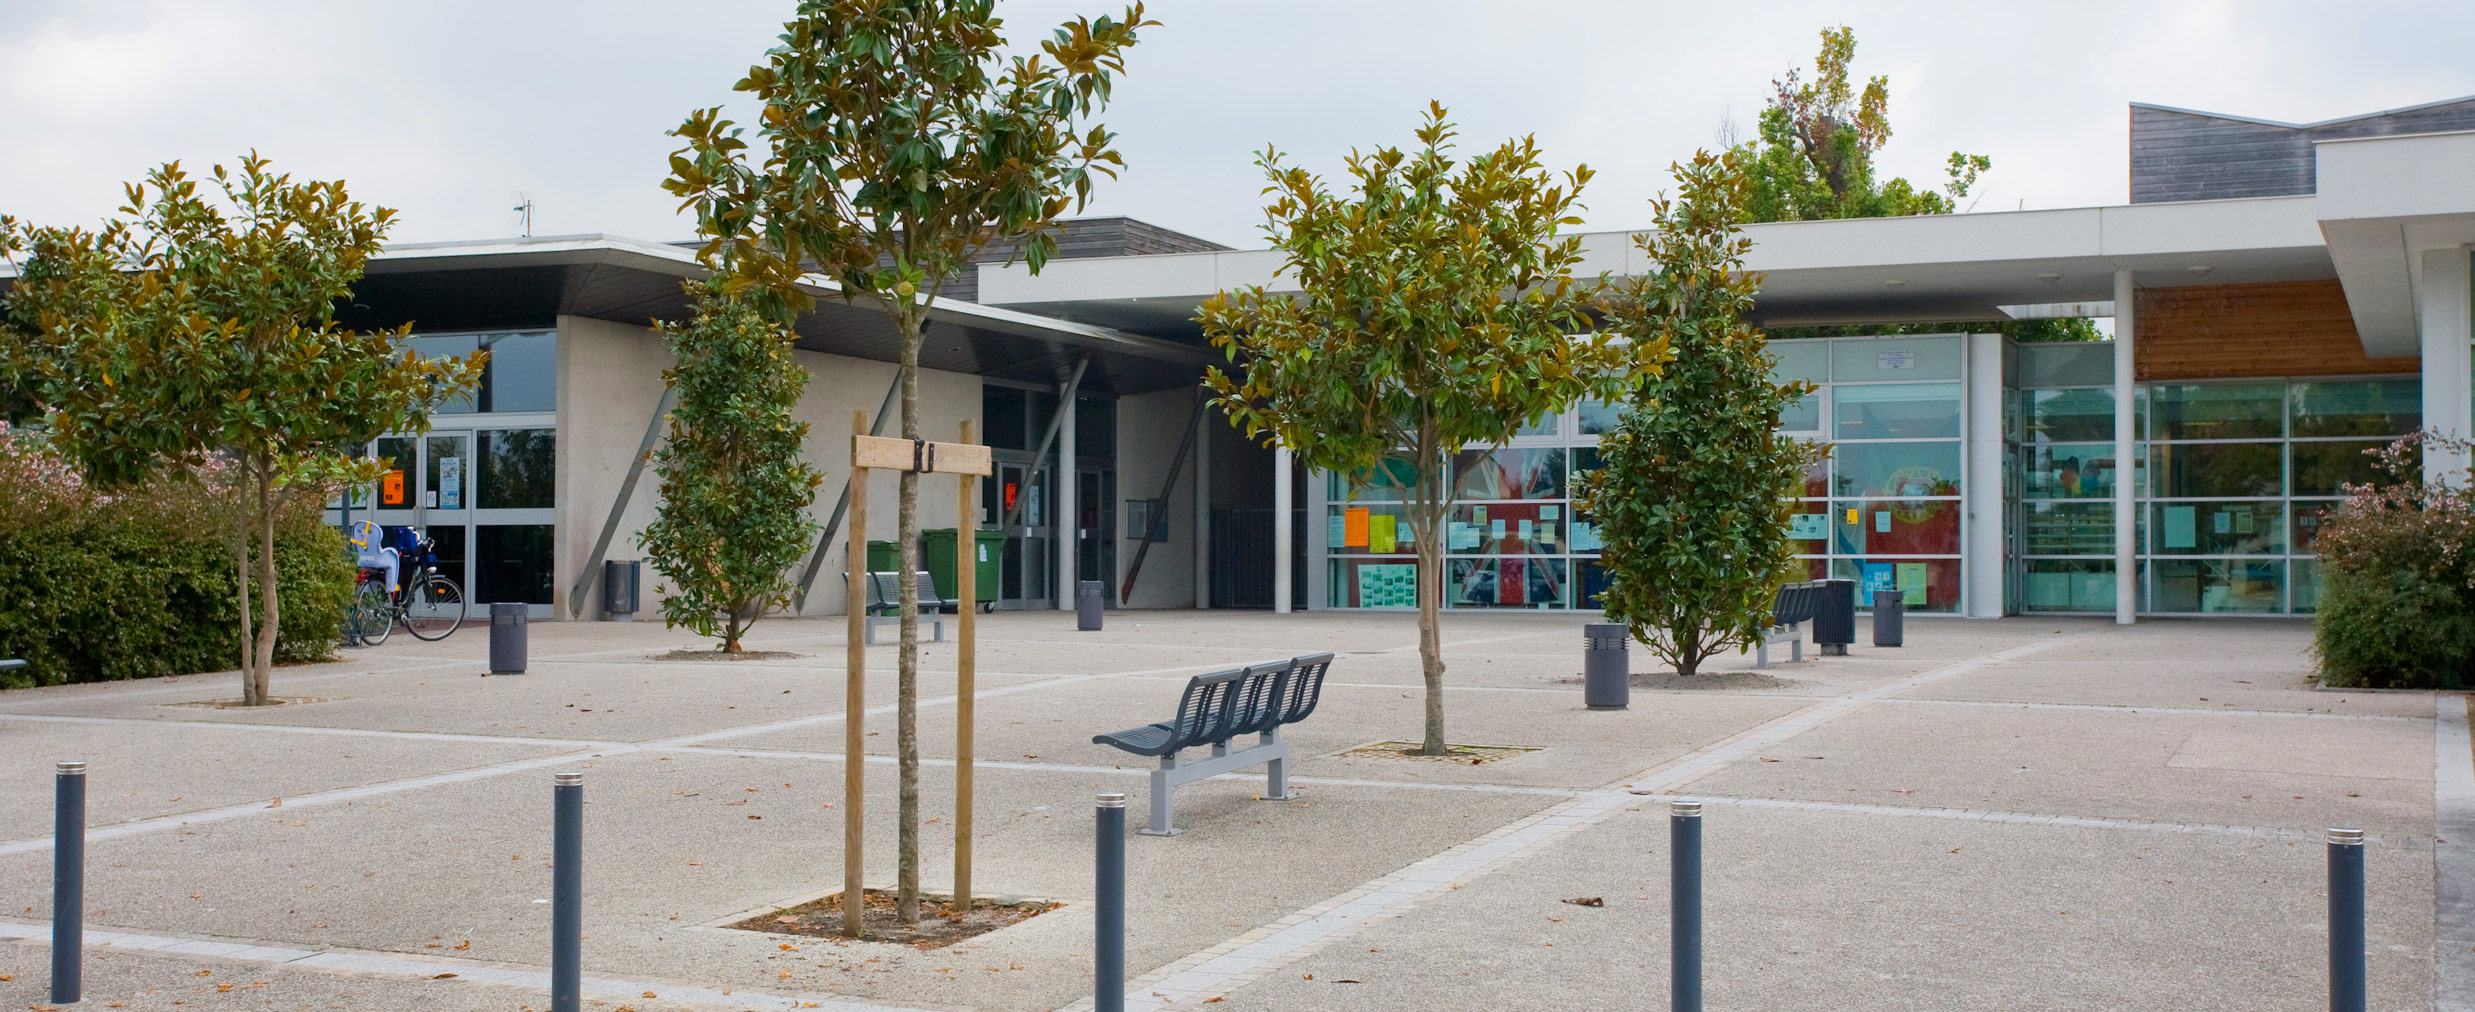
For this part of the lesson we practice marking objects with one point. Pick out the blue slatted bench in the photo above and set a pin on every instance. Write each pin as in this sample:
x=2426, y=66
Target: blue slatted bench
x=1215, y=708
x=1789, y=611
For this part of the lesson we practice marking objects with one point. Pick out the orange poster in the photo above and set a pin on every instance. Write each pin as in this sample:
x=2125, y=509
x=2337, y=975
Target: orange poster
x=391, y=489
x=1353, y=527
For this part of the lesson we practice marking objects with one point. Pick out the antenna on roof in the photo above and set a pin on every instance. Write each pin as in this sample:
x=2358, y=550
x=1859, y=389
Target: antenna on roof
x=525, y=209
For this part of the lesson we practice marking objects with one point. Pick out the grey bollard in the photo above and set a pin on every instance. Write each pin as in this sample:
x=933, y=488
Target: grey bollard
x=1834, y=621
x=1684, y=820
x=622, y=582
x=2347, y=962
x=507, y=646
x=1090, y=597
x=1108, y=990
x=68, y=880
x=566, y=892
x=1890, y=618
x=1606, y=665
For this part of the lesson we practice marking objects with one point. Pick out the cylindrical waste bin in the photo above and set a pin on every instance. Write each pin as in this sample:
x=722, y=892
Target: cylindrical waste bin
x=938, y=556
x=1090, y=596
x=884, y=557
x=507, y=639
x=621, y=581
x=1834, y=621
x=1890, y=617
x=1606, y=666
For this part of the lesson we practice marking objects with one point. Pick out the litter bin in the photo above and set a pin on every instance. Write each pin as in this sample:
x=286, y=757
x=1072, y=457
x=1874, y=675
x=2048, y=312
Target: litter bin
x=939, y=549
x=621, y=582
x=1890, y=617
x=507, y=639
x=1090, y=596
x=884, y=557
x=1606, y=666
x=1834, y=622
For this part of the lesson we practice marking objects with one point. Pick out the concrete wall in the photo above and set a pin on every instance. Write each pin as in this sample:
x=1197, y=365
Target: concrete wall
x=1149, y=428
x=610, y=379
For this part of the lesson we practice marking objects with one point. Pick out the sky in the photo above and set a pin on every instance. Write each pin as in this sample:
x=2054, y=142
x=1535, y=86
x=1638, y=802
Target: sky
x=454, y=111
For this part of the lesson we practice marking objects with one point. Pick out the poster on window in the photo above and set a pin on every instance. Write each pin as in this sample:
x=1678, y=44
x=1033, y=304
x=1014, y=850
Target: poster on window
x=451, y=483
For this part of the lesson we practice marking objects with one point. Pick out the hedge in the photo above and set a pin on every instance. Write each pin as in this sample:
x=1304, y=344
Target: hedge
x=2396, y=606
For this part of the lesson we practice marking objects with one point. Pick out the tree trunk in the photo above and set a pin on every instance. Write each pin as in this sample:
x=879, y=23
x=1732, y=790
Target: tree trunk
x=1430, y=542
x=240, y=573
x=906, y=688
x=269, y=618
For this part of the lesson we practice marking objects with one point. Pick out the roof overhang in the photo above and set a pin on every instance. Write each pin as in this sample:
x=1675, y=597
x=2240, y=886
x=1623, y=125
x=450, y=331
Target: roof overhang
x=2384, y=202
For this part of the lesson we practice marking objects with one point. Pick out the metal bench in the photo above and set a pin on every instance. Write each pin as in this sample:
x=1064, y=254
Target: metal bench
x=885, y=604
x=1217, y=707
x=1791, y=609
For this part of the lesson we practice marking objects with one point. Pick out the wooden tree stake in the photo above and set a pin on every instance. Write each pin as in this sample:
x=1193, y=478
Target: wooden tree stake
x=855, y=693
x=966, y=671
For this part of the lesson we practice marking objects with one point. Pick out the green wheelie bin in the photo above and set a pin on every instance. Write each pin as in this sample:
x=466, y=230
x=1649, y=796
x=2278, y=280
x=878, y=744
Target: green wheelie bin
x=939, y=549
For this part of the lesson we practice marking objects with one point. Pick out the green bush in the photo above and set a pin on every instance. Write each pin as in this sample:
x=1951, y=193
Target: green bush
x=2397, y=586
x=139, y=584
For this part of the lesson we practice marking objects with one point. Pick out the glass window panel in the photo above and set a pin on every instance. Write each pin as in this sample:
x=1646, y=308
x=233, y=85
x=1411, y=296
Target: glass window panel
x=1510, y=473
x=1923, y=527
x=450, y=473
x=1803, y=414
x=2356, y=407
x=2195, y=470
x=512, y=563
x=1593, y=579
x=2218, y=410
x=395, y=487
x=1550, y=425
x=2306, y=577
x=2219, y=528
x=2309, y=517
x=2322, y=468
x=448, y=543
x=1899, y=470
x=2067, y=528
x=1373, y=583
x=2217, y=586
x=1001, y=413
x=2063, y=364
x=1505, y=529
x=519, y=469
x=1897, y=358
x=1600, y=417
x=455, y=346
x=1897, y=411
x=2063, y=416
x=1390, y=481
x=1940, y=577
x=2070, y=471
x=1367, y=528
x=1095, y=428
x=1507, y=583
x=1817, y=477
x=1805, y=359
x=522, y=374
x=1809, y=526
x=2066, y=585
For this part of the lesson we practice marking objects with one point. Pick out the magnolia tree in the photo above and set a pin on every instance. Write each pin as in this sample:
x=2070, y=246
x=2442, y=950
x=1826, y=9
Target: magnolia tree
x=1694, y=485
x=201, y=336
x=900, y=142
x=1435, y=309
x=735, y=487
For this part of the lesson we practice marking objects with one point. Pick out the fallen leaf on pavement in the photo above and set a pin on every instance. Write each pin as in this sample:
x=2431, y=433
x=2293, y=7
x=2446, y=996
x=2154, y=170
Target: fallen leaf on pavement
x=1588, y=901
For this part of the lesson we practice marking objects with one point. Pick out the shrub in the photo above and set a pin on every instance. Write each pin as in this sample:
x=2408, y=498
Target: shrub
x=2397, y=585
x=97, y=586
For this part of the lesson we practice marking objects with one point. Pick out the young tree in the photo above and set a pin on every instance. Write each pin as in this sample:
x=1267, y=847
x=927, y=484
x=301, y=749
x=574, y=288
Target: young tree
x=184, y=338
x=901, y=142
x=1813, y=156
x=735, y=488
x=1694, y=486
x=1435, y=309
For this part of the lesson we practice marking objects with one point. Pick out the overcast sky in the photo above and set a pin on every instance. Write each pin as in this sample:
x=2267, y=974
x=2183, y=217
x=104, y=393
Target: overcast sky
x=450, y=110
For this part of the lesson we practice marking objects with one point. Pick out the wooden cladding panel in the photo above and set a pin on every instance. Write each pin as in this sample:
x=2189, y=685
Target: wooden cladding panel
x=2287, y=328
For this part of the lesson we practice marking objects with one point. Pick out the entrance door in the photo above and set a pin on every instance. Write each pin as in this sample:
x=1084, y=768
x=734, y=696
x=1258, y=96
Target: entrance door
x=1023, y=570
x=1095, y=553
x=428, y=486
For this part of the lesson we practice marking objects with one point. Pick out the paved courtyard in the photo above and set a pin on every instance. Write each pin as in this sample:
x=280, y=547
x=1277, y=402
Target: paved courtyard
x=2030, y=813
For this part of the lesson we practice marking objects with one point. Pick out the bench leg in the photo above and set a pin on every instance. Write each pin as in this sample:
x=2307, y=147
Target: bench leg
x=1761, y=652
x=868, y=627
x=1160, y=800
x=1796, y=645
x=1276, y=771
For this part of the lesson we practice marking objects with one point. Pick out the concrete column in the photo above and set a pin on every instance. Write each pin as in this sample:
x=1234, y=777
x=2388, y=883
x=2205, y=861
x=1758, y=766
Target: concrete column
x=2126, y=467
x=1203, y=510
x=1981, y=496
x=1069, y=517
x=1283, y=537
x=2446, y=325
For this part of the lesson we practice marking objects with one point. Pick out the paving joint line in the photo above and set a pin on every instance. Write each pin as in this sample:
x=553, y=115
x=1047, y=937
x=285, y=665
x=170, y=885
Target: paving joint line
x=2135, y=708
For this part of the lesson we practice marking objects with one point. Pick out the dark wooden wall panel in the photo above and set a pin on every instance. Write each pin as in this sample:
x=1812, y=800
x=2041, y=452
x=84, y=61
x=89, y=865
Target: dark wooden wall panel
x=2291, y=328
x=2181, y=155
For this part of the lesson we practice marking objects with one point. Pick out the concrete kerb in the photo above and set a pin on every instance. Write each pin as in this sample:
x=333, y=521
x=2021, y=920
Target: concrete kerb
x=2453, y=853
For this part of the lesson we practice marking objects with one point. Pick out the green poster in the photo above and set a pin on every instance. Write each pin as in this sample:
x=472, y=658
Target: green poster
x=1911, y=582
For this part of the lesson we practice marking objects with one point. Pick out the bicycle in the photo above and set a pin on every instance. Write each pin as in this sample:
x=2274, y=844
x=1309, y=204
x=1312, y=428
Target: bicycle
x=431, y=606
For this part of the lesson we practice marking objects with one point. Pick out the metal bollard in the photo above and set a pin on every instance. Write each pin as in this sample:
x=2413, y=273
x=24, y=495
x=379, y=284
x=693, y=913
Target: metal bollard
x=2347, y=961
x=507, y=635
x=567, y=892
x=1108, y=989
x=68, y=880
x=1091, y=598
x=1890, y=618
x=1606, y=665
x=1684, y=820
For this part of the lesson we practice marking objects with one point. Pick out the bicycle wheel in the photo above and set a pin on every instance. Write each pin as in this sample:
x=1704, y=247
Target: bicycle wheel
x=370, y=616
x=434, y=608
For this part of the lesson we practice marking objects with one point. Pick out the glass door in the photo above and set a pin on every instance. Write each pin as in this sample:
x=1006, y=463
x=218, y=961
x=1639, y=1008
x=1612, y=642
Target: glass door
x=1095, y=552
x=445, y=507
x=1022, y=494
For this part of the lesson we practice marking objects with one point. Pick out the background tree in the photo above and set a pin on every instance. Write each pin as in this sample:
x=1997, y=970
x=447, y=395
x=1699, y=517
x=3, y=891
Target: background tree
x=900, y=143
x=1812, y=157
x=1695, y=485
x=1436, y=309
x=183, y=338
x=735, y=487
